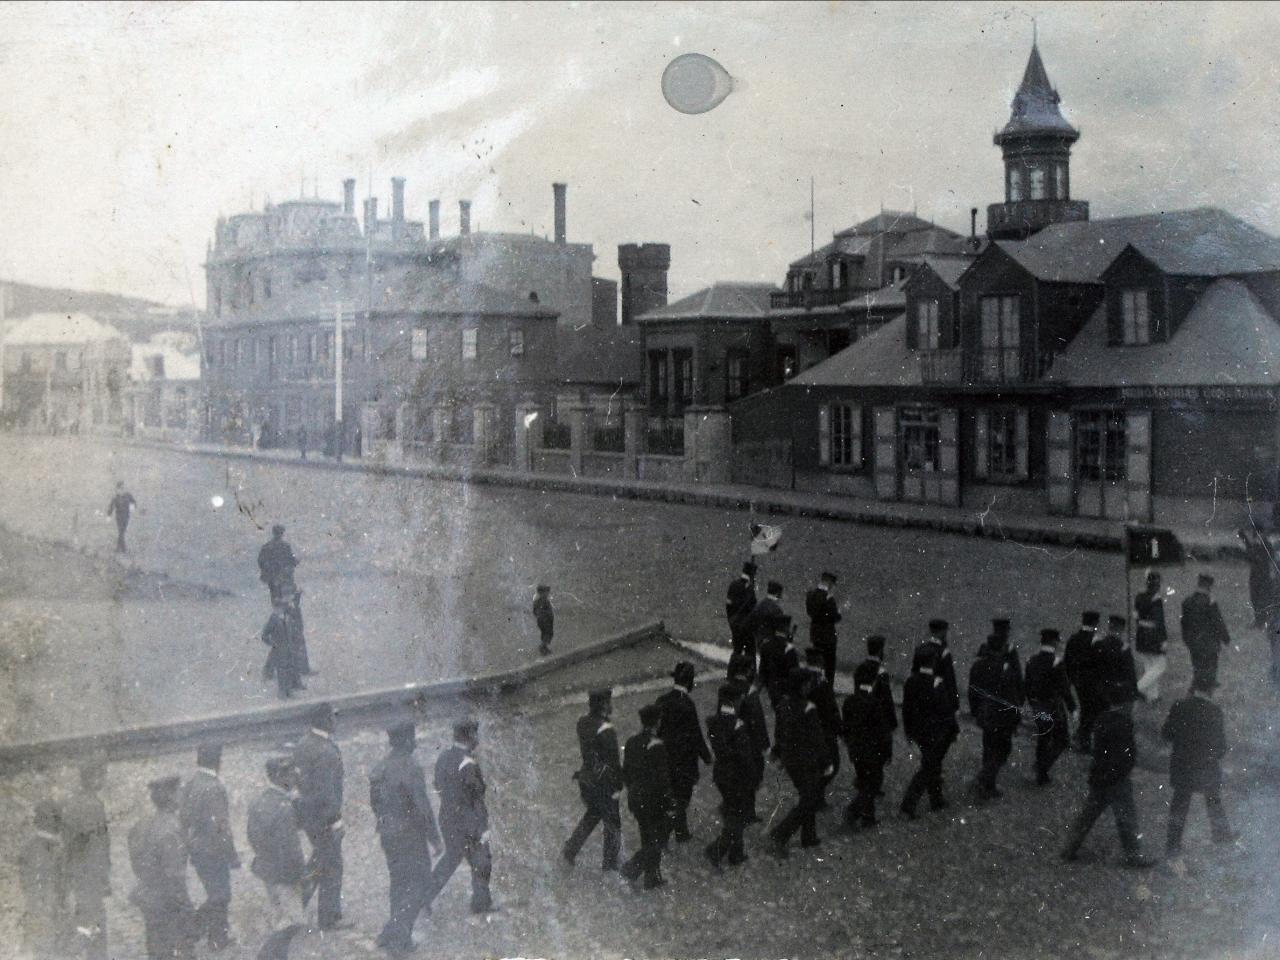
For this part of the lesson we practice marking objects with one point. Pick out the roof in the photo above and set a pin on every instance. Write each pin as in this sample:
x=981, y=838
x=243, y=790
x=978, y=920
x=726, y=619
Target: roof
x=891, y=297
x=177, y=364
x=948, y=269
x=58, y=328
x=880, y=359
x=430, y=294
x=599, y=354
x=723, y=301
x=1035, y=105
x=1204, y=241
x=887, y=221
x=1228, y=338
x=817, y=256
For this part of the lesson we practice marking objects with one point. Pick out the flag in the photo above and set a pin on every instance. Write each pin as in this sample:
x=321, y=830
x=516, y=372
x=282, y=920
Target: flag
x=1153, y=546
x=764, y=539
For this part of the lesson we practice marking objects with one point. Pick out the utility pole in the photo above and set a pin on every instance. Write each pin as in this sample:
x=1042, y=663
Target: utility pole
x=4, y=331
x=339, y=435
x=812, y=228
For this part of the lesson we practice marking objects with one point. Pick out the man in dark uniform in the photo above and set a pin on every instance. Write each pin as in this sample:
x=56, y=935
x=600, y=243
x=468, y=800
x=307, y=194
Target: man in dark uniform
x=278, y=861
x=1049, y=696
x=319, y=764
x=732, y=774
x=929, y=721
x=1075, y=661
x=204, y=815
x=42, y=877
x=883, y=695
x=464, y=818
x=778, y=657
x=1195, y=731
x=280, y=635
x=824, y=614
x=406, y=827
x=1203, y=630
x=88, y=846
x=599, y=780
x=276, y=563
x=740, y=599
x=1114, y=755
x=995, y=700
x=743, y=673
x=159, y=860
x=762, y=621
x=121, y=506
x=681, y=732
x=801, y=747
x=646, y=772
x=1150, y=636
x=824, y=698
x=1111, y=660
x=868, y=735
x=945, y=667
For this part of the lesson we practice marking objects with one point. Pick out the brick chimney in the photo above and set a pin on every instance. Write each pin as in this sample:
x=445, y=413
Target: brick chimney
x=464, y=218
x=397, y=199
x=558, y=189
x=644, y=277
x=433, y=219
x=349, y=196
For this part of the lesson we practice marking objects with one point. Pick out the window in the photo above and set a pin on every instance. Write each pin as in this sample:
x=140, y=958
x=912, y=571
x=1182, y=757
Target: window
x=266, y=288
x=352, y=344
x=273, y=350
x=840, y=435
x=292, y=355
x=326, y=346
x=313, y=347
x=927, y=337
x=920, y=443
x=1037, y=183
x=217, y=301
x=659, y=376
x=469, y=343
x=1060, y=181
x=1015, y=184
x=682, y=361
x=249, y=289
x=60, y=360
x=209, y=353
x=418, y=344
x=1000, y=338
x=515, y=339
x=899, y=274
x=253, y=351
x=242, y=351
x=225, y=357
x=157, y=366
x=736, y=380
x=1100, y=445
x=1135, y=315
x=1000, y=445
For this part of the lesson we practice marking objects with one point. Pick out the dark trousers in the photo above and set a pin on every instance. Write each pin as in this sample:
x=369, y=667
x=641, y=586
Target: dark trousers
x=1219, y=828
x=325, y=872
x=121, y=526
x=1051, y=736
x=928, y=778
x=169, y=932
x=211, y=916
x=803, y=816
x=743, y=642
x=458, y=847
x=833, y=754
x=1089, y=710
x=996, y=747
x=733, y=821
x=1117, y=796
x=603, y=811
x=828, y=651
x=409, y=870
x=869, y=779
x=682, y=791
x=654, y=829
x=1204, y=664
x=547, y=635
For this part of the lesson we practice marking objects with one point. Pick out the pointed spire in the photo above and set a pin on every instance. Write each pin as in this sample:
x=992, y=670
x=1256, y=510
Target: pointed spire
x=1035, y=105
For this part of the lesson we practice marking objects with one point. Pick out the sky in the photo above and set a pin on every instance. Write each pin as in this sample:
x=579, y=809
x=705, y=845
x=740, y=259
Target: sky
x=126, y=130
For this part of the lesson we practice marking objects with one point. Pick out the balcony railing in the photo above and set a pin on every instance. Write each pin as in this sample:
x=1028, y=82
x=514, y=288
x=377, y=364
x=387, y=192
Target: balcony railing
x=983, y=366
x=785, y=299
x=1023, y=215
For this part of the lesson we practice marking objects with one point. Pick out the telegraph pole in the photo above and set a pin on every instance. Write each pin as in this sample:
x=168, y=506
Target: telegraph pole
x=339, y=435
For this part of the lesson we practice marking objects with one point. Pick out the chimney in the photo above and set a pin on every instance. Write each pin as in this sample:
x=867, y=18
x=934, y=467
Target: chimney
x=433, y=219
x=464, y=218
x=349, y=196
x=397, y=199
x=558, y=189
x=973, y=223
x=370, y=214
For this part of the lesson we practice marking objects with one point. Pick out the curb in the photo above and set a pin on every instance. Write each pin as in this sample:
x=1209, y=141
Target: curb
x=352, y=709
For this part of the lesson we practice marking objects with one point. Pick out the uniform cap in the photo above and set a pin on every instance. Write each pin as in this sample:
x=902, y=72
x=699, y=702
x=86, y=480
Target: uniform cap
x=742, y=665
x=828, y=576
x=598, y=698
x=1049, y=636
x=163, y=788
x=1203, y=683
x=728, y=694
x=209, y=756
x=865, y=673
x=465, y=728
x=1204, y=580
x=278, y=530
x=650, y=714
x=277, y=767
x=937, y=626
x=1116, y=620
x=875, y=645
x=1090, y=618
x=1000, y=625
x=402, y=734
x=683, y=673
x=543, y=588
x=322, y=716
x=749, y=569
x=774, y=588
x=925, y=656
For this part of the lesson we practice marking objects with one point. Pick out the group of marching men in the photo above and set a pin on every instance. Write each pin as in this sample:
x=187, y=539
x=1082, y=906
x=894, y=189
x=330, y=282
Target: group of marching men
x=1095, y=678
x=65, y=867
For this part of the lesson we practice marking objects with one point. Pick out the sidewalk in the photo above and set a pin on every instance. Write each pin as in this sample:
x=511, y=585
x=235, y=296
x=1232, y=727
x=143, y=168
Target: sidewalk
x=1085, y=532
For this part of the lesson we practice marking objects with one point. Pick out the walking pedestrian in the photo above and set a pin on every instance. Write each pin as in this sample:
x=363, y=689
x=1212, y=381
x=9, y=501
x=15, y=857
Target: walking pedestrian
x=778, y=657
x=302, y=442
x=681, y=732
x=1203, y=630
x=42, y=876
x=159, y=860
x=646, y=773
x=824, y=614
x=1196, y=734
x=823, y=696
x=929, y=721
x=1150, y=637
x=801, y=748
x=1076, y=663
x=276, y=563
x=883, y=696
x=278, y=860
x=1114, y=756
x=1110, y=660
x=765, y=617
x=995, y=700
x=868, y=736
x=88, y=849
x=407, y=831
x=599, y=780
x=464, y=818
x=1049, y=697
x=121, y=507
x=319, y=764
x=280, y=634
x=740, y=600
x=545, y=617
x=1263, y=573
x=743, y=673
x=732, y=773
x=203, y=813
x=944, y=667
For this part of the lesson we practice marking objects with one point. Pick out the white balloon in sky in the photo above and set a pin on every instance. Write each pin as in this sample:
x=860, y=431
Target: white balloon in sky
x=216, y=500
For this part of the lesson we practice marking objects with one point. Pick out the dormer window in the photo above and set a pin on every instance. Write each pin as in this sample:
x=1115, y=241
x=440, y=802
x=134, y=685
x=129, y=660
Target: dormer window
x=1135, y=317
x=1037, y=183
x=1015, y=185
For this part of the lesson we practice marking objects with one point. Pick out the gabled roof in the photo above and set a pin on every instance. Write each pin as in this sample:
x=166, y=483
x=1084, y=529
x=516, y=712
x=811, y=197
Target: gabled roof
x=818, y=256
x=947, y=269
x=887, y=221
x=880, y=359
x=1228, y=338
x=726, y=301
x=605, y=355
x=1203, y=237
x=886, y=298
x=1035, y=105
x=60, y=328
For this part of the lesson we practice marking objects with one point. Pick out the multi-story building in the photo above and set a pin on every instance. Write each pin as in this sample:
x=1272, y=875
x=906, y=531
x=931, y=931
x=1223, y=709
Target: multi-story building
x=162, y=399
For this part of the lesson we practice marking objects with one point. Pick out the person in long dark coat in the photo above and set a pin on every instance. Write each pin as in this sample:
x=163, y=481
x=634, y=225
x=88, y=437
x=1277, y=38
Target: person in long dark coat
x=1263, y=574
x=159, y=860
x=464, y=817
x=824, y=614
x=1049, y=697
x=823, y=696
x=1110, y=660
x=995, y=700
x=681, y=731
x=1203, y=630
x=276, y=563
x=740, y=600
x=1075, y=661
x=204, y=813
x=1150, y=636
x=280, y=634
x=319, y=764
x=928, y=721
x=764, y=618
x=743, y=673
x=278, y=861
x=1196, y=734
x=945, y=667
x=647, y=774
x=883, y=694
x=42, y=876
x=801, y=748
x=778, y=657
x=868, y=736
x=732, y=772
x=121, y=507
x=86, y=834
x=599, y=780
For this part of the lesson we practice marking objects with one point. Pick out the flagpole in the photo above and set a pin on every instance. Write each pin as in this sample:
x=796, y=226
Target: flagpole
x=812, y=228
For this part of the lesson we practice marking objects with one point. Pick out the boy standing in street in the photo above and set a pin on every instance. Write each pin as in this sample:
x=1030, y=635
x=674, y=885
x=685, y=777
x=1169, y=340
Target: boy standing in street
x=545, y=617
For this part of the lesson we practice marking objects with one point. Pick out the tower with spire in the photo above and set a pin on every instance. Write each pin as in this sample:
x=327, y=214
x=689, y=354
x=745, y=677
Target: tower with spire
x=1036, y=144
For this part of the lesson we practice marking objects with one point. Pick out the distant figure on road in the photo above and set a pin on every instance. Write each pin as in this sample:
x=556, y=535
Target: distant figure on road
x=120, y=507
x=42, y=873
x=1203, y=630
x=464, y=818
x=203, y=812
x=599, y=780
x=159, y=860
x=84, y=830
x=740, y=599
x=277, y=857
x=302, y=442
x=319, y=764
x=276, y=563
x=1195, y=731
x=282, y=634
x=545, y=616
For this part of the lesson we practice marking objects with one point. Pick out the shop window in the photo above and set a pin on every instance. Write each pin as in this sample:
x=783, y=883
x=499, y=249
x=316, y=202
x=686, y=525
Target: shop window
x=918, y=428
x=736, y=380
x=469, y=343
x=927, y=337
x=1135, y=315
x=840, y=435
x=1000, y=338
x=418, y=344
x=1000, y=445
x=1100, y=445
x=515, y=339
